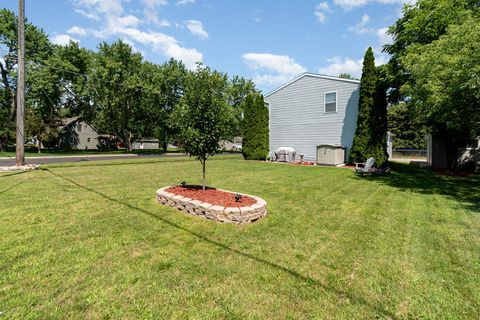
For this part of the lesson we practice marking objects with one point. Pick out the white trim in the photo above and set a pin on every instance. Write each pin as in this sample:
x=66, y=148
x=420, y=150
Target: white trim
x=315, y=76
x=325, y=102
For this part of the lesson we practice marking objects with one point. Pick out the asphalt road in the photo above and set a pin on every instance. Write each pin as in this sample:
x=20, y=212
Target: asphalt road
x=60, y=159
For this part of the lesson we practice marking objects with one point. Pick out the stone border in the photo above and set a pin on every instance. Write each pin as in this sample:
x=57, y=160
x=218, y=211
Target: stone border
x=27, y=167
x=213, y=212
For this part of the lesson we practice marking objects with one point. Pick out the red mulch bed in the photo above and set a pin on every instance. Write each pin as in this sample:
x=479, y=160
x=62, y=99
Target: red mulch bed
x=304, y=163
x=211, y=195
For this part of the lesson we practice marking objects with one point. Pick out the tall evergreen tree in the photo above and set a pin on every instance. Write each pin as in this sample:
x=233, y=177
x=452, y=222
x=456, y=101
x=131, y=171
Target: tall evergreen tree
x=371, y=134
x=255, y=128
x=368, y=90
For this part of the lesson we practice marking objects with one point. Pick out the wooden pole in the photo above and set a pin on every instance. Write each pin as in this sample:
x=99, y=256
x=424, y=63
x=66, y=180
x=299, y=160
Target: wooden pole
x=20, y=133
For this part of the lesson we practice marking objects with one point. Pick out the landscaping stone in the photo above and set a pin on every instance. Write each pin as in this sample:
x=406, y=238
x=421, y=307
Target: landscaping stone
x=26, y=167
x=235, y=215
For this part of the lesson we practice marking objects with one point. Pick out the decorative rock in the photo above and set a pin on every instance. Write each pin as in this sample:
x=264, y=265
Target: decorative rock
x=206, y=210
x=26, y=167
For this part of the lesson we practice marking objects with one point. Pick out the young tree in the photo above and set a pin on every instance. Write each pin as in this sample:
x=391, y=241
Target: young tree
x=203, y=116
x=255, y=128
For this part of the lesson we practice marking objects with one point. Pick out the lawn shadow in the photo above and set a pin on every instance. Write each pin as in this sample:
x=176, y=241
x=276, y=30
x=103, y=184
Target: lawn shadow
x=14, y=173
x=464, y=190
x=10, y=188
x=305, y=279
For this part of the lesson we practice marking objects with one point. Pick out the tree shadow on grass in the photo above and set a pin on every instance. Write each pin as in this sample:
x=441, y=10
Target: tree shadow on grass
x=313, y=283
x=464, y=190
x=10, y=188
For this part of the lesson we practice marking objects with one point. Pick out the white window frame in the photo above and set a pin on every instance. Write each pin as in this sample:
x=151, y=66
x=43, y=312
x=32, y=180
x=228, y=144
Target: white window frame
x=325, y=102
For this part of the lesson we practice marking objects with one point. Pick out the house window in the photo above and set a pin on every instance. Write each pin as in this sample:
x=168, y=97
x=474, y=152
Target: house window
x=330, y=102
x=80, y=127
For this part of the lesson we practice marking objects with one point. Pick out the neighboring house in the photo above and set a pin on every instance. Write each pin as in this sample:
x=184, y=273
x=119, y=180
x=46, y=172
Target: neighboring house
x=316, y=115
x=233, y=145
x=146, y=143
x=81, y=135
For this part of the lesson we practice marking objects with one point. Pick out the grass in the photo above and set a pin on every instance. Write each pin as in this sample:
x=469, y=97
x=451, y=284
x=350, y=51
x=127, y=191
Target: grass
x=89, y=240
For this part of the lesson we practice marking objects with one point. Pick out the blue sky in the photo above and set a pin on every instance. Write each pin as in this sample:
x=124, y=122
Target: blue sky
x=268, y=41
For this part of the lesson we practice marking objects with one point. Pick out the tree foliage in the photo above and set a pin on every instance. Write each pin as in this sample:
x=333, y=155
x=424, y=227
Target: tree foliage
x=406, y=127
x=370, y=134
x=255, y=128
x=38, y=48
x=434, y=68
x=203, y=117
x=113, y=88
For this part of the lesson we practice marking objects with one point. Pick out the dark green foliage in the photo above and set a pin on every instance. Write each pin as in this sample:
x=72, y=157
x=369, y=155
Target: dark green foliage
x=238, y=89
x=203, y=117
x=366, y=134
x=255, y=128
x=434, y=68
x=370, y=134
x=38, y=48
x=346, y=76
x=406, y=127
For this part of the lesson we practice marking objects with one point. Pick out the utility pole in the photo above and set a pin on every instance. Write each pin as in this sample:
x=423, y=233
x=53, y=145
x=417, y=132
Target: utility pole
x=20, y=137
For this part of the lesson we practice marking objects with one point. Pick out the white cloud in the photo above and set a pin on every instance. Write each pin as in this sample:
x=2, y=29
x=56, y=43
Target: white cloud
x=79, y=31
x=383, y=37
x=168, y=45
x=184, y=2
x=154, y=3
x=352, y=4
x=92, y=8
x=62, y=39
x=127, y=27
x=338, y=65
x=362, y=26
x=150, y=11
x=277, y=68
x=321, y=11
x=196, y=28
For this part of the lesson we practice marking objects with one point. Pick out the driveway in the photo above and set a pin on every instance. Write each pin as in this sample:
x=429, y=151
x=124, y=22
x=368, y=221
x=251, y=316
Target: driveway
x=62, y=159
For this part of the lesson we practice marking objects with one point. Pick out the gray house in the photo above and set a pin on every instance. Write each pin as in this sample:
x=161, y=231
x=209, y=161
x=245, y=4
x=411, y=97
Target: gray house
x=316, y=115
x=81, y=135
x=146, y=144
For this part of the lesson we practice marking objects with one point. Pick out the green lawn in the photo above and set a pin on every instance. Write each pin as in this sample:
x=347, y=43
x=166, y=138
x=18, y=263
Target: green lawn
x=88, y=240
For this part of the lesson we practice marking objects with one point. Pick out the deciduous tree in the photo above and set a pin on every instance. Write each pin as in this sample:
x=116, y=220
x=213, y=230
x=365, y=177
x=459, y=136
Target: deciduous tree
x=203, y=117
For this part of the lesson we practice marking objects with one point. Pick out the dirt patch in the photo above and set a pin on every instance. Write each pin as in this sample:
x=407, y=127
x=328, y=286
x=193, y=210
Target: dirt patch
x=212, y=196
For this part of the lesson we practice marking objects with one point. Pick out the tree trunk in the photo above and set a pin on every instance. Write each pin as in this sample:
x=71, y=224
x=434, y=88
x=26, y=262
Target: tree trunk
x=204, y=162
x=164, y=142
x=39, y=145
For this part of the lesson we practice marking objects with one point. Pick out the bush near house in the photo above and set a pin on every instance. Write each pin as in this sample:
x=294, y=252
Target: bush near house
x=255, y=128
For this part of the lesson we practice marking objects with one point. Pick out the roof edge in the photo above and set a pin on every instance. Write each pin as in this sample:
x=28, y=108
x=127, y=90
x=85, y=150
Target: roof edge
x=309, y=74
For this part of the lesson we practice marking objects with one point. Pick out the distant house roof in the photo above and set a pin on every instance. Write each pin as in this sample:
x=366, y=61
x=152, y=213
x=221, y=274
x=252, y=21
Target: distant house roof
x=308, y=74
x=68, y=121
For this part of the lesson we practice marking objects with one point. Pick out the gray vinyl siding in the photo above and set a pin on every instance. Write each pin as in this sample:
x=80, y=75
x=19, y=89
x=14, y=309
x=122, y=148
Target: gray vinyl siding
x=298, y=120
